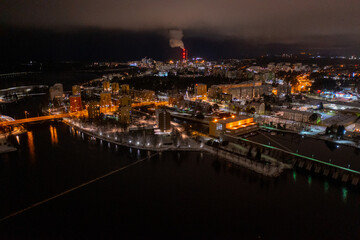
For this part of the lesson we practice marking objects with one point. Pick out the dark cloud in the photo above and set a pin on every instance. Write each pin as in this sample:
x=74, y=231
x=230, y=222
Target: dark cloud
x=269, y=20
x=257, y=24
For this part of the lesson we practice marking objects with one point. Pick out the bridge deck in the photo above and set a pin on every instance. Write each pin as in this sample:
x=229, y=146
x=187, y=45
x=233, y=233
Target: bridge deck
x=64, y=115
x=34, y=119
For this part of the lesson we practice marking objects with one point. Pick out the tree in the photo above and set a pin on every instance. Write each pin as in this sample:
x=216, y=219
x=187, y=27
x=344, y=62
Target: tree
x=288, y=98
x=250, y=110
x=258, y=155
x=266, y=98
x=340, y=131
x=327, y=131
x=200, y=115
x=320, y=106
x=314, y=117
x=249, y=154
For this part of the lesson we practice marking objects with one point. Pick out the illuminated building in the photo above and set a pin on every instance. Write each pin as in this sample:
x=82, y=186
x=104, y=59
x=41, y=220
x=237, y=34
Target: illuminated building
x=214, y=92
x=275, y=91
x=295, y=115
x=106, y=86
x=124, y=114
x=247, y=90
x=105, y=100
x=163, y=120
x=225, y=97
x=76, y=90
x=200, y=89
x=115, y=87
x=125, y=88
x=303, y=84
x=175, y=100
x=357, y=126
x=75, y=103
x=124, y=101
x=145, y=95
x=235, y=125
x=224, y=88
x=56, y=91
x=93, y=110
x=259, y=107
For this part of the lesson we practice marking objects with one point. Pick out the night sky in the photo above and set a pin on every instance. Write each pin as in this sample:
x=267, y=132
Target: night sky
x=126, y=30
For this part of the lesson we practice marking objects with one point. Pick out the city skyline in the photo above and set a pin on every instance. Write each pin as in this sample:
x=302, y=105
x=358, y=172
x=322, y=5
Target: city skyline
x=167, y=119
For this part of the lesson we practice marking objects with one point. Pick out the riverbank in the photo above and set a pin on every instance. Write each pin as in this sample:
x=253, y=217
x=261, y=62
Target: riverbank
x=274, y=169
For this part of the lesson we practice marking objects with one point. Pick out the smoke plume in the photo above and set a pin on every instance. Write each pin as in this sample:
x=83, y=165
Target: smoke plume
x=175, y=36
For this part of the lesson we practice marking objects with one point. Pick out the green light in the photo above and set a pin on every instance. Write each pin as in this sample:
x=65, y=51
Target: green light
x=294, y=176
x=309, y=180
x=344, y=194
x=326, y=186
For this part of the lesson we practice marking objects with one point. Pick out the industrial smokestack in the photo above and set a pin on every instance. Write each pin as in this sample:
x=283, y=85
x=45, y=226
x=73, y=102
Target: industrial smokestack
x=184, y=54
x=175, y=38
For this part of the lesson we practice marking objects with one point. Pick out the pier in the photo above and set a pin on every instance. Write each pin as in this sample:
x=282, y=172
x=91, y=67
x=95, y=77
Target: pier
x=334, y=171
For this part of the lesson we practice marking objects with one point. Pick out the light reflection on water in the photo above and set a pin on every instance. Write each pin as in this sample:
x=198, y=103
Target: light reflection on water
x=53, y=133
x=31, y=146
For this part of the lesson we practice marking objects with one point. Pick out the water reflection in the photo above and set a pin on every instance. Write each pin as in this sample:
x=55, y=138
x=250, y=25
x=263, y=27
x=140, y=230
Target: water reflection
x=309, y=180
x=344, y=194
x=326, y=187
x=331, y=145
x=31, y=146
x=294, y=176
x=53, y=133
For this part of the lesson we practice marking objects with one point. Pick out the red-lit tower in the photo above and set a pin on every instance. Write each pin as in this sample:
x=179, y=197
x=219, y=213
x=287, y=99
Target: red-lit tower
x=184, y=54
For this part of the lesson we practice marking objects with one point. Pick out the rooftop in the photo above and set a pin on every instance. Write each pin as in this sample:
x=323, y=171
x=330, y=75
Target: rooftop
x=233, y=118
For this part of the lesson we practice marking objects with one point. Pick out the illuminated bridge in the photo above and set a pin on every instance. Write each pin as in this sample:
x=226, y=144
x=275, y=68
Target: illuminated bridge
x=65, y=115
x=36, y=119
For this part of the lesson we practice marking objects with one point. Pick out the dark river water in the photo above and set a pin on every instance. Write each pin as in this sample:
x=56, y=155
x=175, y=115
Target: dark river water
x=172, y=195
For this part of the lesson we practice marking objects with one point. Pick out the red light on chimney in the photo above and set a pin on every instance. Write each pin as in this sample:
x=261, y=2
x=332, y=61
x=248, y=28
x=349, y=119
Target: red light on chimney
x=184, y=54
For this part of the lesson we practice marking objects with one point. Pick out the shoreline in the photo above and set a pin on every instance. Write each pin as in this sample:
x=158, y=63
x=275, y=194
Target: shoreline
x=260, y=168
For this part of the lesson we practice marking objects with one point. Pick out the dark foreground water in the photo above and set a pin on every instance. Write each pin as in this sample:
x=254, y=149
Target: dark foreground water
x=175, y=195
